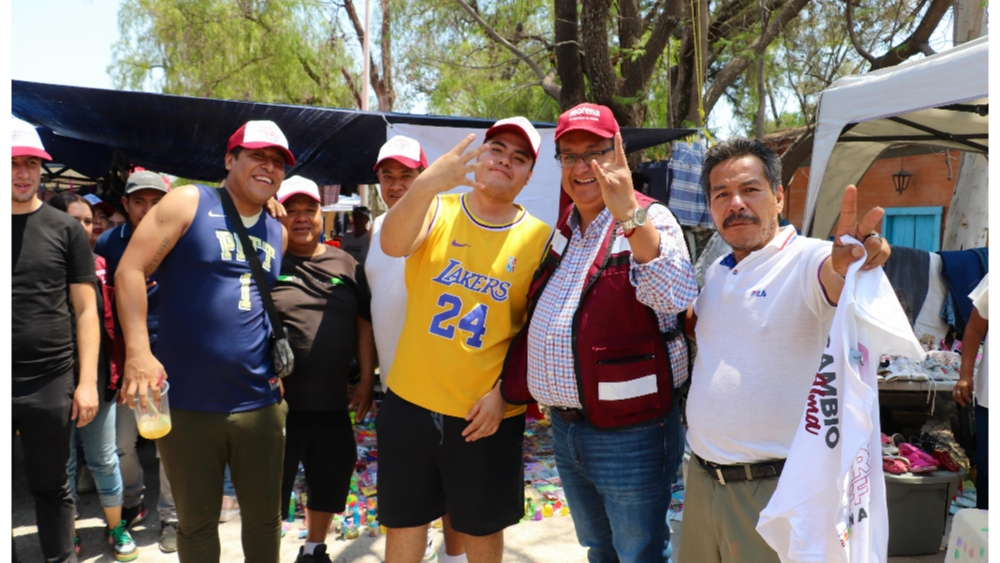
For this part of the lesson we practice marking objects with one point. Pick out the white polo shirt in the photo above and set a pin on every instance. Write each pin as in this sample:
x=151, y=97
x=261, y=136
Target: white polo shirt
x=386, y=279
x=762, y=326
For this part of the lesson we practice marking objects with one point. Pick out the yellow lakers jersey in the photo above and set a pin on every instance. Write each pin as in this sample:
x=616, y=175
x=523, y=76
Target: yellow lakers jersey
x=467, y=290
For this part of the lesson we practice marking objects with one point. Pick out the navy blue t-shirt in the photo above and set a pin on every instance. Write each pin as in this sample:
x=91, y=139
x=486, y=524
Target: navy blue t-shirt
x=214, y=340
x=111, y=246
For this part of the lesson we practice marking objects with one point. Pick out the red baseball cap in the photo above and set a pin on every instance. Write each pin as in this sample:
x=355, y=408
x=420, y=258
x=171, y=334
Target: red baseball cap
x=404, y=150
x=596, y=119
x=519, y=126
x=24, y=141
x=259, y=135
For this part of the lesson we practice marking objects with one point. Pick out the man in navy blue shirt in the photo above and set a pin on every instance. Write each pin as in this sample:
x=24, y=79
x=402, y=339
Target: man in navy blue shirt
x=143, y=190
x=214, y=344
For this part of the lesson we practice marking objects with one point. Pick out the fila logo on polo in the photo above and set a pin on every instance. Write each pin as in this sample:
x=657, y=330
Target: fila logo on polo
x=758, y=293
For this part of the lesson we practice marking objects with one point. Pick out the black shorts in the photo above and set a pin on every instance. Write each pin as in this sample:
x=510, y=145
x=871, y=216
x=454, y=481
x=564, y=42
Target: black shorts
x=324, y=443
x=425, y=470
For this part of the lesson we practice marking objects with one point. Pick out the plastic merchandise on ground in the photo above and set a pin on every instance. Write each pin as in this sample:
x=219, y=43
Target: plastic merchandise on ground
x=544, y=496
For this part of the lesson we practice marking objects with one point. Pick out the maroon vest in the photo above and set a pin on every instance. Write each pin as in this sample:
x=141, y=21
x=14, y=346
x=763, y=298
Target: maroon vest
x=620, y=358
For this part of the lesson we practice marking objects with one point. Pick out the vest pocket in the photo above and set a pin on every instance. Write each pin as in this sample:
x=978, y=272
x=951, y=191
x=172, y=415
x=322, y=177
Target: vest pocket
x=626, y=377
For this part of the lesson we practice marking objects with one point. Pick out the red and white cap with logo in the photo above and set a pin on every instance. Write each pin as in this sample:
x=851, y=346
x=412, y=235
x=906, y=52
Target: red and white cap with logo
x=259, y=135
x=298, y=185
x=594, y=118
x=404, y=150
x=24, y=141
x=519, y=126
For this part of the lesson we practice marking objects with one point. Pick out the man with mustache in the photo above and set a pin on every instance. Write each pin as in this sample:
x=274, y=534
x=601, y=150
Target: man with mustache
x=762, y=317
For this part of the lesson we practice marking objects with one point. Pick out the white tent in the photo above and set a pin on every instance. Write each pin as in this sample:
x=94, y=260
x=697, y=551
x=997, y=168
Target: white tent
x=942, y=100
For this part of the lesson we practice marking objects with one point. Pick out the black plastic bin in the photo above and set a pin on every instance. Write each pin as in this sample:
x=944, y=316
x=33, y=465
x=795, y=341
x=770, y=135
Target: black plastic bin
x=918, y=510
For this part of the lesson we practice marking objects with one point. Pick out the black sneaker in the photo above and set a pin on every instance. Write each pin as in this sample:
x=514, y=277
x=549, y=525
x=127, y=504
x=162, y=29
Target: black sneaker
x=318, y=555
x=134, y=515
x=168, y=537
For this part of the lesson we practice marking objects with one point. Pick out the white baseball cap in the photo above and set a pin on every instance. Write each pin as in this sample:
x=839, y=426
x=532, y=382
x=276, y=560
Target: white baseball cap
x=519, y=126
x=298, y=185
x=259, y=135
x=24, y=141
x=404, y=150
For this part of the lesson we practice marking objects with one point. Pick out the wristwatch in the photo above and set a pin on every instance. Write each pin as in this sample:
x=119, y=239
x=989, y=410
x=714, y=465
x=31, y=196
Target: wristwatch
x=638, y=219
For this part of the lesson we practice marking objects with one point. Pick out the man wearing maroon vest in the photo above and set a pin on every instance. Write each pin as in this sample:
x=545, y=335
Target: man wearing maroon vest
x=602, y=348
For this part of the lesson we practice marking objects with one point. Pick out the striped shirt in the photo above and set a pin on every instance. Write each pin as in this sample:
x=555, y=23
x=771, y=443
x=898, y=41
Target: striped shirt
x=665, y=284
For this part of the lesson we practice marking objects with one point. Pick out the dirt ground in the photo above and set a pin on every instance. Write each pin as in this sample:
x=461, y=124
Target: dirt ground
x=551, y=540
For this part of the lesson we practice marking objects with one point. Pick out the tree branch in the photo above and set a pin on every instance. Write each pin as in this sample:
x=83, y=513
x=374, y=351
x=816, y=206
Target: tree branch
x=739, y=64
x=547, y=79
x=665, y=25
x=351, y=85
x=917, y=42
x=854, y=38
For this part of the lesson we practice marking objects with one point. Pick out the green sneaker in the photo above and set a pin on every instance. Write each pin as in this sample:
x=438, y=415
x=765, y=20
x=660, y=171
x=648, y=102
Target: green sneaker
x=121, y=542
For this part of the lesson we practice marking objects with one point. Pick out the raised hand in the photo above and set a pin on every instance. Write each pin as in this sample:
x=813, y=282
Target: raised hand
x=452, y=168
x=877, y=248
x=615, y=180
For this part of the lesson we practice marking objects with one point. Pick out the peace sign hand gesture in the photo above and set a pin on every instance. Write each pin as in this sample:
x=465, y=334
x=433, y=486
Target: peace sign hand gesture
x=615, y=180
x=452, y=168
x=877, y=248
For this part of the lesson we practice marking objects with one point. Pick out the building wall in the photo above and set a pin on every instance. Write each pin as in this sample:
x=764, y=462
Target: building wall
x=932, y=183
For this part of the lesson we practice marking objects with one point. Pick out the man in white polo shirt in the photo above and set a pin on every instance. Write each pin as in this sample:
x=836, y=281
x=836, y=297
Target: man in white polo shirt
x=762, y=321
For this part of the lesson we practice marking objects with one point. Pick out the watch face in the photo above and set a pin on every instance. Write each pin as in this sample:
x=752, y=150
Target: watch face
x=639, y=216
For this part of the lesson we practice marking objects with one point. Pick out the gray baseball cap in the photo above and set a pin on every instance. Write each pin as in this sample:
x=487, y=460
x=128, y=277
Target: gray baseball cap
x=144, y=180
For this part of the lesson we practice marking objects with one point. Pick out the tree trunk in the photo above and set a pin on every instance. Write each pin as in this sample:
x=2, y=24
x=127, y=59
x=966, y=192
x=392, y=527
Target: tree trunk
x=967, y=222
x=568, y=61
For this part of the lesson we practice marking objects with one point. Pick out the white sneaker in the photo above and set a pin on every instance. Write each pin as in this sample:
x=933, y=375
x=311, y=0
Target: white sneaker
x=430, y=553
x=230, y=509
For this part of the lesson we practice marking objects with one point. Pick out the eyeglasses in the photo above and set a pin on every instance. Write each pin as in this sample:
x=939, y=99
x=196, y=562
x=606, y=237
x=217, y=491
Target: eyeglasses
x=567, y=160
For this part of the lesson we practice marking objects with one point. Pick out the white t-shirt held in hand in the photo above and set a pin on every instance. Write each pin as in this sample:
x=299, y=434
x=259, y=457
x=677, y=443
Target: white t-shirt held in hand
x=830, y=504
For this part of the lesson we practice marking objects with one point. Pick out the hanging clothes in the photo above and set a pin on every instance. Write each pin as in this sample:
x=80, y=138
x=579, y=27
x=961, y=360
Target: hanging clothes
x=909, y=273
x=686, y=198
x=963, y=269
x=830, y=503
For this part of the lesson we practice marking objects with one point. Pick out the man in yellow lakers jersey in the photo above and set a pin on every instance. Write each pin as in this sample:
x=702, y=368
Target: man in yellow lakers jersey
x=447, y=441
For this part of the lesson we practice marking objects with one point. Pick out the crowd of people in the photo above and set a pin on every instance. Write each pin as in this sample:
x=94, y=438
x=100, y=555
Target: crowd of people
x=469, y=307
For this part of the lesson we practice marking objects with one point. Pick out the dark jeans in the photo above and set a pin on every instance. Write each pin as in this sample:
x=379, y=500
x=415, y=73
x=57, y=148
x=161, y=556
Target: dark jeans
x=982, y=457
x=41, y=410
x=195, y=454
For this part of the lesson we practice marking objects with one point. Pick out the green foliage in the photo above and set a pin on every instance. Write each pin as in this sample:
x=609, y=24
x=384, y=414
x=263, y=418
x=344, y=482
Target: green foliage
x=445, y=56
x=262, y=50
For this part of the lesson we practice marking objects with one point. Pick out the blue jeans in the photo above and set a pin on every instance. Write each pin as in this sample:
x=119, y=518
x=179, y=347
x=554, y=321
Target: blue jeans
x=227, y=485
x=101, y=453
x=618, y=485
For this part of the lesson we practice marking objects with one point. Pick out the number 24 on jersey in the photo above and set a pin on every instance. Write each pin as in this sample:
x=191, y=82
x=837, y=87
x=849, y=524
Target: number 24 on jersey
x=473, y=322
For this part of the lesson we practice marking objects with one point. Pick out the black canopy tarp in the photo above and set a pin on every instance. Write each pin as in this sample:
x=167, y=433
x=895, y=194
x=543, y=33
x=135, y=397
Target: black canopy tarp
x=187, y=136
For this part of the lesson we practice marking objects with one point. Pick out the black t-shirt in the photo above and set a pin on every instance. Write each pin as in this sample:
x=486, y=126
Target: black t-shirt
x=50, y=251
x=319, y=299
